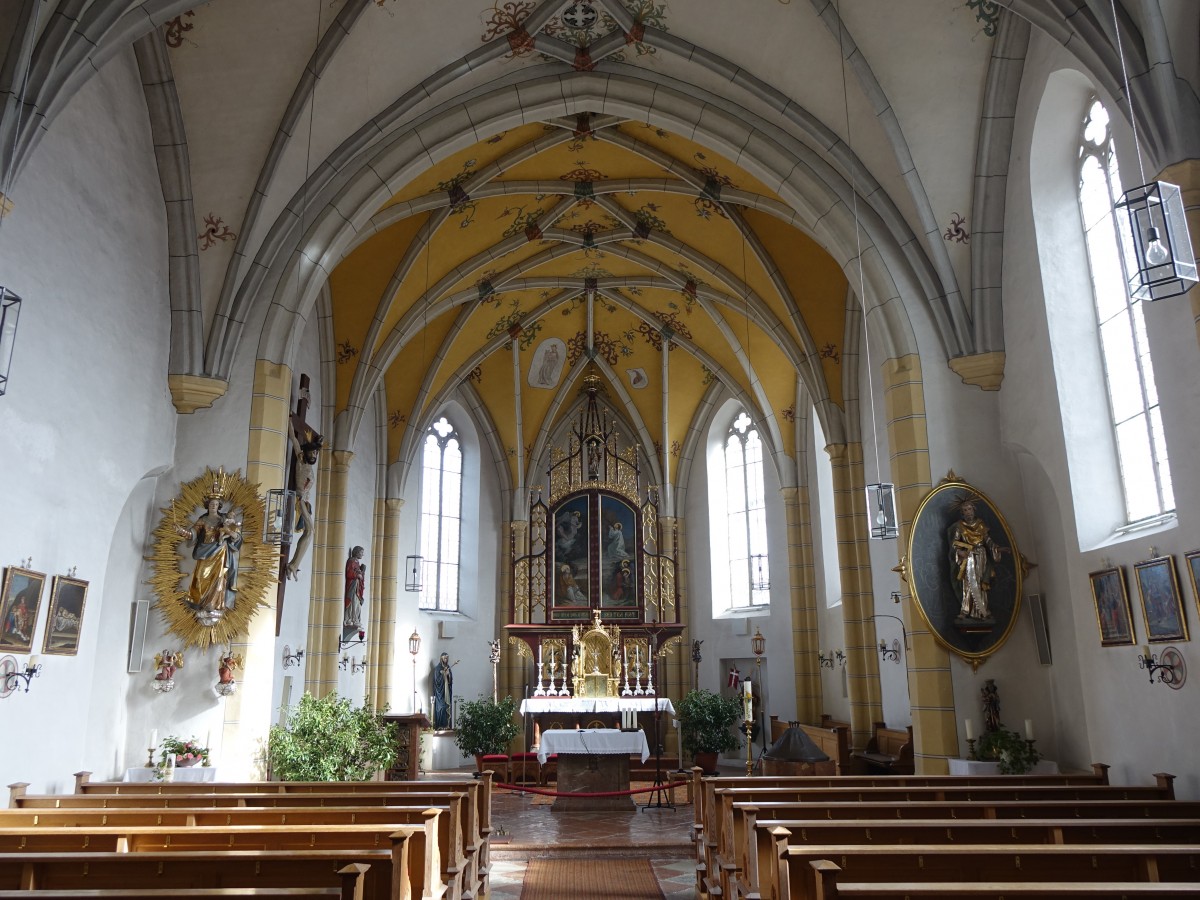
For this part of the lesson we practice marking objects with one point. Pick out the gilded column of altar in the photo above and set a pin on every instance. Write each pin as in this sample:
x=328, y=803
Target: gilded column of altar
x=381, y=644
x=247, y=713
x=327, y=607
x=803, y=594
x=930, y=686
x=858, y=604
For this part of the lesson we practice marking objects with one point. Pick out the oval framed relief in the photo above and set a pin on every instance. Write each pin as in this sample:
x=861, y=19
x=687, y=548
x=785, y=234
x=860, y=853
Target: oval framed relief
x=964, y=570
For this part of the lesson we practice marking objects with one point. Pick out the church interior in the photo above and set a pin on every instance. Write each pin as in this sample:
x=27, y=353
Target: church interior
x=598, y=349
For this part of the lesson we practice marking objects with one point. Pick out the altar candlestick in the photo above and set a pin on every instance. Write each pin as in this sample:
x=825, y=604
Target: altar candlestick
x=969, y=729
x=1029, y=729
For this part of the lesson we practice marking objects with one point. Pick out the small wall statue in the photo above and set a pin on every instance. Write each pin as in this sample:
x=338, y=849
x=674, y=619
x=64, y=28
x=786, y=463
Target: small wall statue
x=166, y=664
x=226, y=684
x=990, y=695
x=355, y=595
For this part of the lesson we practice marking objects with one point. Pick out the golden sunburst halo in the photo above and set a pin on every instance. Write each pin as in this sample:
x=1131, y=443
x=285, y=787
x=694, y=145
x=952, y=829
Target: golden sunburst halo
x=256, y=566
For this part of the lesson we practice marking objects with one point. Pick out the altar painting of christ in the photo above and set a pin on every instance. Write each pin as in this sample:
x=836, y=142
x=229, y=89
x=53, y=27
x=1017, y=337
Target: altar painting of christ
x=618, y=553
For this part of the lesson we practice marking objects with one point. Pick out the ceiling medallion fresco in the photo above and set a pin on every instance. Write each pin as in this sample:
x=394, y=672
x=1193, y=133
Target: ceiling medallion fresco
x=580, y=24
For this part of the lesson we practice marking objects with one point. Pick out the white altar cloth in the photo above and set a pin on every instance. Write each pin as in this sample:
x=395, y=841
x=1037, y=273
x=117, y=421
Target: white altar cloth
x=988, y=767
x=595, y=705
x=598, y=741
x=182, y=773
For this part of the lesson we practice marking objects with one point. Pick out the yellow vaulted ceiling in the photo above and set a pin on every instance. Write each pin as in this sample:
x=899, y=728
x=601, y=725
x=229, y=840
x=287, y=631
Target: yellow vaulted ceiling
x=502, y=244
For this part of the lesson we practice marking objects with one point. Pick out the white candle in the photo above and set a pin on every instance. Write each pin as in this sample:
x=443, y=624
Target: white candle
x=154, y=738
x=208, y=739
x=637, y=657
x=34, y=662
x=747, y=700
x=1146, y=651
x=540, y=649
x=969, y=728
x=1029, y=729
x=625, y=657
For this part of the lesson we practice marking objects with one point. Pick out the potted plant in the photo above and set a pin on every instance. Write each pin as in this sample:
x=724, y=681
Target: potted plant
x=485, y=727
x=186, y=753
x=706, y=720
x=1015, y=755
x=330, y=739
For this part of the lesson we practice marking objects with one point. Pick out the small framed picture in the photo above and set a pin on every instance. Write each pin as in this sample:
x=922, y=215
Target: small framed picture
x=65, y=620
x=1161, y=603
x=1113, y=612
x=1192, y=560
x=19, y=601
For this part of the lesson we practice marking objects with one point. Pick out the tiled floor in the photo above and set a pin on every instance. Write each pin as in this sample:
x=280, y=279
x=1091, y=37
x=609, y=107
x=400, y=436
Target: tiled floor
x=525, y=829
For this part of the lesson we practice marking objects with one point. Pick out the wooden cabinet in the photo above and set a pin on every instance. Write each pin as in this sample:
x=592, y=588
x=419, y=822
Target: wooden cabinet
x=408, y=747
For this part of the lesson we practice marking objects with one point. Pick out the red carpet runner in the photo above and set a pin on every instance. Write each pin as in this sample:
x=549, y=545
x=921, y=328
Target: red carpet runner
x=590, y=879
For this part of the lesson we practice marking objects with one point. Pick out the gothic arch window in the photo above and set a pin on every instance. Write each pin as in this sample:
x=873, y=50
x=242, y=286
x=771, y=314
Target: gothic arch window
x=1129, y=372
x=746, y=514
x=441, y=516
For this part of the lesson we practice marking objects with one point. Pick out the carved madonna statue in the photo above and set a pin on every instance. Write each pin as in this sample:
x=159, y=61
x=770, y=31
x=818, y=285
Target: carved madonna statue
x=592, y=672
x=211, y=567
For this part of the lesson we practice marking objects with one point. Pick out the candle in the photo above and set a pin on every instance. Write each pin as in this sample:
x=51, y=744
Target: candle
x=154, y=738
x=1146, y=651
x=747, y=700
x=625, y=657
x=34, y=662
x=637, y=657
x=540, y=649
x=969, y=728
x=1029, y=729
x=208, y=739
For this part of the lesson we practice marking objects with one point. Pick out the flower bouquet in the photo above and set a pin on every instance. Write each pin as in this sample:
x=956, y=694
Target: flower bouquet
x=186, y=753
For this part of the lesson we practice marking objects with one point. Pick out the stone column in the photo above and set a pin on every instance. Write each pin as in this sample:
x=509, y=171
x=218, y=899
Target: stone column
x=858, y=603
x=930, y=686
x=803, y=598
x=326, y=609
x=381, y=646
x=247, y=713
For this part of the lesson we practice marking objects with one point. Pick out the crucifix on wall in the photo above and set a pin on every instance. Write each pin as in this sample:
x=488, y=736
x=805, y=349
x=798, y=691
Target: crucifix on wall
x=305, y=445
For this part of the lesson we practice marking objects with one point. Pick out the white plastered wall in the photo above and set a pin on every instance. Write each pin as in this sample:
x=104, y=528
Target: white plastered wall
x=87, y=422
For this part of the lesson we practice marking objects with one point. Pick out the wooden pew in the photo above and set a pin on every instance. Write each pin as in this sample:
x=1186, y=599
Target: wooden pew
x=719, y=838
x=890, y=751
x=829, y=887
x=757, y=876
x=416, y=861
x=178, y=894
x=176, y=872
x=706, y=829
x=1013, y=862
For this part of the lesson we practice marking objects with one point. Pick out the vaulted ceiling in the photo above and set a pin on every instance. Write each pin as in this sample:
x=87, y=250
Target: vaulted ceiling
x=446, y=184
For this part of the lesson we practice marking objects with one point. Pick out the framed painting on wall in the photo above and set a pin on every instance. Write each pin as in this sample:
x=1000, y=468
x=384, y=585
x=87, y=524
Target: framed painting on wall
x=1162, y=606
x=1114, y=614
x=19, y=602
x=64, y=622
x=1192, y=560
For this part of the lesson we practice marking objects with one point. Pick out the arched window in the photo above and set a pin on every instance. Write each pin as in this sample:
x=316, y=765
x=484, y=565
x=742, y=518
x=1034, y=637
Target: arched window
x=1129, y=372
x=745, y=505
x=441, y=516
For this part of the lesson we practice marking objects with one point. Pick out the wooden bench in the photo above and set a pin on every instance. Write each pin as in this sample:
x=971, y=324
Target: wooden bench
x=757, y=875
x=1012, y=862
x=177, y=894
x=201, y=870
x=416, y=860
x=890, y=751
x=829, y=887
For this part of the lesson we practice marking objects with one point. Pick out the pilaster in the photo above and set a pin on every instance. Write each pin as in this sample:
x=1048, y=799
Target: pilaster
x=802, y=601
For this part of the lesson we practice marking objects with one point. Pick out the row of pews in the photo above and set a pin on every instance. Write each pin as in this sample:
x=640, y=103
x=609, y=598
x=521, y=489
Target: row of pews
x=912, y=836
x=375, y=840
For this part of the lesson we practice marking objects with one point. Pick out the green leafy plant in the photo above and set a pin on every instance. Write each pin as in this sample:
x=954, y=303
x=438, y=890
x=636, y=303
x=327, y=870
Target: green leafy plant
x=484, y=727
x=330, y=739
x=186, y=753
x=1015, y=755
x=706, y=720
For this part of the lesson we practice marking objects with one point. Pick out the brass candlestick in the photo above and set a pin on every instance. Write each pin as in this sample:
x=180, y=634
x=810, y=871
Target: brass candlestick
x=749, y=748
x=150, y=758
x=971, y=749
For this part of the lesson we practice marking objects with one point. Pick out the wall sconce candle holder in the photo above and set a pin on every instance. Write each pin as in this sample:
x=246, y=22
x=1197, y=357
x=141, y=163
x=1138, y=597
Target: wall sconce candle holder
x=891, y=653
x=343, y=643
x=359, y=666
x=291, y=659
x=1168, y=667
x=834, y=656
x=33, y=669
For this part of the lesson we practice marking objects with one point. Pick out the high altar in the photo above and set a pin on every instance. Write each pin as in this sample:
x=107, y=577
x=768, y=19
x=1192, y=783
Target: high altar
x=595, y=597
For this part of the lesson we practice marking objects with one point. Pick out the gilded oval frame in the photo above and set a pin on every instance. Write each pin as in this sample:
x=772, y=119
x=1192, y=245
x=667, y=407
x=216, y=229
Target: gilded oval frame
x=929, y=577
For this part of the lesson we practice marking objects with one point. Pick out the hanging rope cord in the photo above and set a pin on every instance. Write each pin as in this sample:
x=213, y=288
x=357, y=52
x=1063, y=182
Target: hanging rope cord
x=1128, y=96
x=862, y=296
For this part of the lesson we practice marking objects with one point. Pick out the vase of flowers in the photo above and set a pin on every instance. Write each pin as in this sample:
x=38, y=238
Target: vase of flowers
x=186, y=753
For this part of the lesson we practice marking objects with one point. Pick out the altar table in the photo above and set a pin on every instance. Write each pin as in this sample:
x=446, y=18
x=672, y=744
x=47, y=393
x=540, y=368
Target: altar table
x=989, y=767
x=182, y=773
x=594, y=760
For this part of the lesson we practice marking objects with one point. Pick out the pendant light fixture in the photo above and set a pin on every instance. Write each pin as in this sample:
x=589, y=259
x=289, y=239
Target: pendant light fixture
x=1159, y=259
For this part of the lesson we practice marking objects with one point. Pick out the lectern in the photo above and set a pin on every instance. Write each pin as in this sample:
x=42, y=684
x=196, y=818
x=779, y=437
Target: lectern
x=407, y=765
